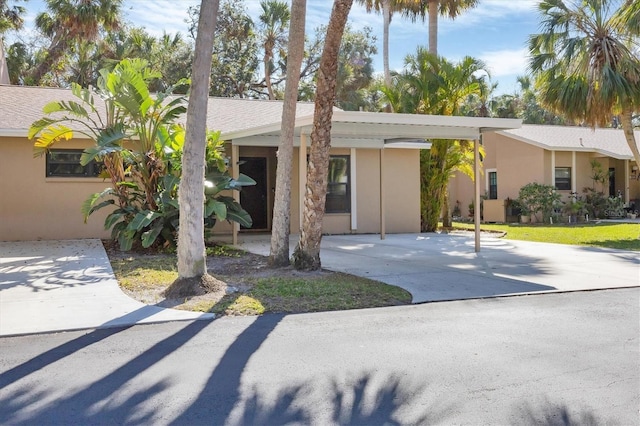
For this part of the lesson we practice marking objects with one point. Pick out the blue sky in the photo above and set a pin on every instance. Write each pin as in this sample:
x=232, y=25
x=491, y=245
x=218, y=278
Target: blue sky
x=496, y=31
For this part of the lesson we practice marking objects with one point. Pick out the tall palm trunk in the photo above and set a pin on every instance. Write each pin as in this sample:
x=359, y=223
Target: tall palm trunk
x=279, y=255
x=268, y=55
x=191, y=250
x=4, y=70
x=433, y=26
x=307, y=253
x=627, y=127
x=386, y=18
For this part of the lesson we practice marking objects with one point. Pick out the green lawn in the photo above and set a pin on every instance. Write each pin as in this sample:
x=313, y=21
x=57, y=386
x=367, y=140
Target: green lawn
x=611, y=235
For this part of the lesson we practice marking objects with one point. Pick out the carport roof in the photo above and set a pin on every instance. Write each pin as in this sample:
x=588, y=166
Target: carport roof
x=377, y=129
x=257, y=122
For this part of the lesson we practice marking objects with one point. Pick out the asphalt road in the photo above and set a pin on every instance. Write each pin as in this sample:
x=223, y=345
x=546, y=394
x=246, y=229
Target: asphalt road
x=551, y=359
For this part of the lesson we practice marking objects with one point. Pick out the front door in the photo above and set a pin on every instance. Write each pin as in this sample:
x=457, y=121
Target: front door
x=254, y=198
x=612, y=182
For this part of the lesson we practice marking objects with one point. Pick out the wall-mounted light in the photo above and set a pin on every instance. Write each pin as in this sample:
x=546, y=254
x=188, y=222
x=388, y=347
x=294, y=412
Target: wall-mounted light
x=634, y=172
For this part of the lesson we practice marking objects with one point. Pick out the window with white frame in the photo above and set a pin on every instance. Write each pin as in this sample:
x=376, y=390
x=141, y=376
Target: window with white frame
x=563, y=178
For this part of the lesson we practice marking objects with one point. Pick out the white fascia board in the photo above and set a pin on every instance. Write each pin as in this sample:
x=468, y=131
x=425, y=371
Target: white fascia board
x=427, y=120
x=408, y=145
x=14, y=133
x=305, y=120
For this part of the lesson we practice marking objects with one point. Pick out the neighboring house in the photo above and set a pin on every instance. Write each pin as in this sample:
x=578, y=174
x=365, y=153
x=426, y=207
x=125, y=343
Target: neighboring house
x=374, y=181
x=553, y=155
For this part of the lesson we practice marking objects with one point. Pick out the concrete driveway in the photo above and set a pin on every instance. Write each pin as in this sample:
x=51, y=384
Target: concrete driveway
x=436, y=267
x=67, y=285
x=50, y=286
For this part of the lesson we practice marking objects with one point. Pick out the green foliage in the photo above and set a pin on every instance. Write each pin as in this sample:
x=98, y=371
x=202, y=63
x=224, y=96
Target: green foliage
x=433, y=85
x=140, y=145
x=595, y=203
x=235, y=50
x=615, y=207
x=538, y=199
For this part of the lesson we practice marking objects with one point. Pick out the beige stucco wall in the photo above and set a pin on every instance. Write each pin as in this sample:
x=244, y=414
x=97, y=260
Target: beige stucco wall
x=34, y=207
x=518, y=163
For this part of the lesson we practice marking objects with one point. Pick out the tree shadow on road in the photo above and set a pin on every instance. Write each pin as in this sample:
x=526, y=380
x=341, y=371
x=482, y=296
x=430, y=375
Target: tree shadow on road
x=551, y=414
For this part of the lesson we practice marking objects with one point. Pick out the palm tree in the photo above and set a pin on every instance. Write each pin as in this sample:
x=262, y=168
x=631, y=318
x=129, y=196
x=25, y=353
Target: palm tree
x=275, y=18
x=192, y=264
x=70, y=21
x=433, y=85
x=431, y=9
x=307, y=253
x=279, y=254
x=386, y=7
x=586, y=61
x=10, y=19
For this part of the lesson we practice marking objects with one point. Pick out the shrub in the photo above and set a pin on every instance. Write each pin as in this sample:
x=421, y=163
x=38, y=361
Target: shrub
x=536, y=198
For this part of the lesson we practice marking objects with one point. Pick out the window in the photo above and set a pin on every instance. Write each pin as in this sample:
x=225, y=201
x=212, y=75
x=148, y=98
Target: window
x=563, y=178
x=66, y=163
x=338, y=188
x=493, y=185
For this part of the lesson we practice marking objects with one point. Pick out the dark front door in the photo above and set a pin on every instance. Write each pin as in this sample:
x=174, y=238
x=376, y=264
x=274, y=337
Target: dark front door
x=254, y=198
x=612, y=182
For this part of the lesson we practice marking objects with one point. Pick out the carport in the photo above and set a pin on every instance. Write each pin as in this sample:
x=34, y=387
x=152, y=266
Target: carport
x=381, y=131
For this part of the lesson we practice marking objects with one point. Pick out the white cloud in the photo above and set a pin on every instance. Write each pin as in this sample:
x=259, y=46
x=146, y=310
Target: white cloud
x=506, y=62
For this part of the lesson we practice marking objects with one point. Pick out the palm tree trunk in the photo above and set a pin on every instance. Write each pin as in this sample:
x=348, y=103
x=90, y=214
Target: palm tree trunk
x=307, y=253
x=4, y=70
x=191, y=250
x=268, y=54
x=279, y=255
x=386, y=17
x=433, y=26
x=627, y=128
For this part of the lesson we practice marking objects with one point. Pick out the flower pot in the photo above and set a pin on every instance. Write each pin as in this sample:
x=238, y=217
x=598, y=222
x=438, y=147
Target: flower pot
x=525, y=219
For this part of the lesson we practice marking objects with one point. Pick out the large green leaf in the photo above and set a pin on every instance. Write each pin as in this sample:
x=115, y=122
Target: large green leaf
x=49, y=136
x=150, y=236
x=111, y=220
x=213, y=206
x=72, y=107
x=88, y=205
x=142, y=220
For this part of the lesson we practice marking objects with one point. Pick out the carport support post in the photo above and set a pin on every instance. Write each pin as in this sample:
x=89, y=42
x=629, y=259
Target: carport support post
x=383, y=230
x=476, y=181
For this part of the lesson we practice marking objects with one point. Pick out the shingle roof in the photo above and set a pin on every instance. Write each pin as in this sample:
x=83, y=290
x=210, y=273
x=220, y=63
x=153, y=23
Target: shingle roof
x=610, y=142
x=20, y=106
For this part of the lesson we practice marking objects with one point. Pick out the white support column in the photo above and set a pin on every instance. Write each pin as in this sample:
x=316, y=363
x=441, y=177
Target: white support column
x=354, y=192
x=302, y=175
x=235, y=173
x=574, y=184
x=553, y=168
x=476, y=177
x=627, y=181
x=383, y=229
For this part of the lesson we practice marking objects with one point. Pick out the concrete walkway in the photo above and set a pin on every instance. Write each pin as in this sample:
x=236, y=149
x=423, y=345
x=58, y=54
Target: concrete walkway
x=66, y=285
x=436, y=267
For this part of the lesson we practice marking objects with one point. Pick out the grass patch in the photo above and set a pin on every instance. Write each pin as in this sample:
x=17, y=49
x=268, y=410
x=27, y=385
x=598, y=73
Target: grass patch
x=261, y=290
x=145, y=272
x=610, y=235
x=335, y=291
